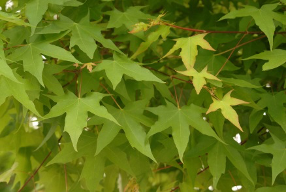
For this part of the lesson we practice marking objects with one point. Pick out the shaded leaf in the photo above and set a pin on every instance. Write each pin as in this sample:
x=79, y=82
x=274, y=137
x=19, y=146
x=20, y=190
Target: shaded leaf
x=217, y=162
x=180, y=119
x=122, y=65
x=278, y=150
x=276, y=58
x=76, y=112
x=263, y=18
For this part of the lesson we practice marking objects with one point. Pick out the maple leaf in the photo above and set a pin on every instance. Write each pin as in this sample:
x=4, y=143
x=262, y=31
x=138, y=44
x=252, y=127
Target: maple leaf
x=227, y=111
x=275, y=105
x=180, y=119
x=162, y=31
x=189, y=48
x=122, y=65
x=263, y=18
x=199, y=77
x=278, y=150
x=33, y=61
x=129, y=118
x=83, y=34
x=35, y=9
x=275, y=58
x=128, y=18
x=76, y=112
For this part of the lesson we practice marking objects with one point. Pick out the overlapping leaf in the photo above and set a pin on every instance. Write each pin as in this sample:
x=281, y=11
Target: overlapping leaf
x=263, y=17
x=276, y=58
x=35, y=9
x=278, y=150
x=33, y=61
x=180, y=119
x=76, y=112
x=128, y=18
x=83, y=34
x=122, y=65
x=163, y=31
x=189, y=48
x=129, y=118
x=199, y=77
x=275, y=105
x=226, y=109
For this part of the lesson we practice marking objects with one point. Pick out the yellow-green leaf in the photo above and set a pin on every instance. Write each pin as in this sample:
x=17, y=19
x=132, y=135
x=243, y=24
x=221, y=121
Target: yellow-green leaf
x=199, y=77
x=227, y=111
x=189, y=48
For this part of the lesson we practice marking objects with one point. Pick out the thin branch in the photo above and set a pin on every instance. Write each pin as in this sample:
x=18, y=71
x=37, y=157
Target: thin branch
x=240, y=45
x=209, y=31
x=26, y=183
x=229, y=55
x=36, y=171
x=232, y=178
x=175, y=188
x=110, y=95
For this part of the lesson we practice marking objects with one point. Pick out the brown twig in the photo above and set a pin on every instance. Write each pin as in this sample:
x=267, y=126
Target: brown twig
x=240, y=45
x=229, y=55
x=32, y=176
x=36, y=171
x=209, y=31
x=110, y=95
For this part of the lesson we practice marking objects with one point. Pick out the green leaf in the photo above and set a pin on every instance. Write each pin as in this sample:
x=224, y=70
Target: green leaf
x=128, y=18
x=82, y=39
x=119, y=158
x=12, y=18
x=275, y=58
x=83, y=34
x=86, y=147
x=278, y=150
x=277, y=188
x=189, y=48
x=53, y=178
x=217, y=162
x=5, y=70
x=33, y=61
x=93, y=171
x=227, y=111
x=5, y=177
x=239, y=82
x=199, y=77
x=122, y=65
x=76, y=112
x=162, y=31
x=106, y=135
x=276, y=109
x=237, y=160
x=180, y=119
x=18, y=91
x=130, y=118
x=263, y=18
x=35, y=9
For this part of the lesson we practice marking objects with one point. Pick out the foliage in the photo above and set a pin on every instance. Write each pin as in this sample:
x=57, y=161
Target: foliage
x=185, y=95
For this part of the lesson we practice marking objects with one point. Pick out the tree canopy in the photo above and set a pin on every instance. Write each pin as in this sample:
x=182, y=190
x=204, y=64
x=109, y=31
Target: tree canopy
x=136, y=95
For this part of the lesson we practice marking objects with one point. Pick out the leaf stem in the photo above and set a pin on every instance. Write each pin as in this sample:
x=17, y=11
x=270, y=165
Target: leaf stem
x=176, y=95
x=110, y=95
